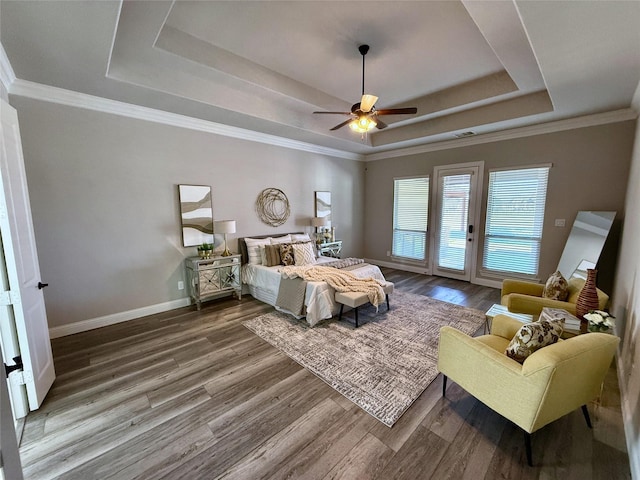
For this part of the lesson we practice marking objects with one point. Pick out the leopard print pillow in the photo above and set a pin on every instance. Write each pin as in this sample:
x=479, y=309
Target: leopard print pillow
x=533, y=336
x=286, y=254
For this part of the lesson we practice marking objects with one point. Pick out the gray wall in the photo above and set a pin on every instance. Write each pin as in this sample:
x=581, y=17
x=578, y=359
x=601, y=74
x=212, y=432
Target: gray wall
x=590, y=171
x=105, y=207
x=626, y=307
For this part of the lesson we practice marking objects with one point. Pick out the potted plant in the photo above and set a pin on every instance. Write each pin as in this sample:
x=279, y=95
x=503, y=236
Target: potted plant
x=205, y=250
x=599, y=321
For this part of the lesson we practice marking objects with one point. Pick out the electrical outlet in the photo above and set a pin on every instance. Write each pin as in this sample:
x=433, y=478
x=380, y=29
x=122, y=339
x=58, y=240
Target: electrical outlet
x=388, y=253
x=559, y=222
x=180, y=285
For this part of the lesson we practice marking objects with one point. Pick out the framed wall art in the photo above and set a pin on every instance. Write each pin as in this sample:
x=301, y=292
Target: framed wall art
x=323, y=206
x=196, y=211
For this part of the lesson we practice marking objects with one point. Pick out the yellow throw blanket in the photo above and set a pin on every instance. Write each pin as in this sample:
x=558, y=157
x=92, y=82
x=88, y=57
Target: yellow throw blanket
x=339, y=280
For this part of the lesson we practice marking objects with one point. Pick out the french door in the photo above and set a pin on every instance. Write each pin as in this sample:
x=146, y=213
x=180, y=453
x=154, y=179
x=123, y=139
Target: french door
x=456, y=199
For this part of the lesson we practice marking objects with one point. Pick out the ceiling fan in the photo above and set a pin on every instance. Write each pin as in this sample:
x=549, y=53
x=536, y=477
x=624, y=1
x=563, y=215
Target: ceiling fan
x=363, y=115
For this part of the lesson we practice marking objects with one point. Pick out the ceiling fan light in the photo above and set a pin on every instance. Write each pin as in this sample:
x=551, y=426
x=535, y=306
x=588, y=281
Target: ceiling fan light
x=367, y=102
x=362, y=124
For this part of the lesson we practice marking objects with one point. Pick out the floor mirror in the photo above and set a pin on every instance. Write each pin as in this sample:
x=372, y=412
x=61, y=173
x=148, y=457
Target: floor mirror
x=585, y=243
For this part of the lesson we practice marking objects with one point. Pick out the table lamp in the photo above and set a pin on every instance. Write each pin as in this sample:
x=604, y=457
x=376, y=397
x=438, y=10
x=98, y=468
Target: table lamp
x=319, y=222
x=225, y=226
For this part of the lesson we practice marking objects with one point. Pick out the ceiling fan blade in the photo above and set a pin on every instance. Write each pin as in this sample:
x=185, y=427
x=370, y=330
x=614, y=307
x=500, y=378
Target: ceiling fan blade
x=367, y=102
x=336, y=113
x=346, y=122
x=397, y=111
x=380, y=124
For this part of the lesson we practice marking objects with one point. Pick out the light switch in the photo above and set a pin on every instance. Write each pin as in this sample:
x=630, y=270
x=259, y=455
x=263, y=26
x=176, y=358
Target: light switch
x=559, y=222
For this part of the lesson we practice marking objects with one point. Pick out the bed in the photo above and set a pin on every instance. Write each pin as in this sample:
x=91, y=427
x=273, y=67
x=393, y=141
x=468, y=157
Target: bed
x=263, y=282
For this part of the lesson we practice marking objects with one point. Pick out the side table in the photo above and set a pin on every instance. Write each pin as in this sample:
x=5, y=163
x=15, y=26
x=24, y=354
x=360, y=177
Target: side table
x=330, y=249
x=209, y=277
x=497, y=309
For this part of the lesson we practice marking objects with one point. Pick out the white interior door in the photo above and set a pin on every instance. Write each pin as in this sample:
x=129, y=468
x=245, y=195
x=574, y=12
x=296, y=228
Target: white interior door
x=24, y=300
x=10, y=464
x=456, y=199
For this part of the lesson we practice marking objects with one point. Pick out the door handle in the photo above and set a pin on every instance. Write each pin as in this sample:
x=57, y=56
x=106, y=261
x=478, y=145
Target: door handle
x=470, y=229
x=42, y=285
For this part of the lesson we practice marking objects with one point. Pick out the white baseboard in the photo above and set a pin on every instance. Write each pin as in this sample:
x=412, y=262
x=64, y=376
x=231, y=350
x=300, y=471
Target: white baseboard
x=91, y=323
x=400, y=266
x=427, y=271
x=485, y=282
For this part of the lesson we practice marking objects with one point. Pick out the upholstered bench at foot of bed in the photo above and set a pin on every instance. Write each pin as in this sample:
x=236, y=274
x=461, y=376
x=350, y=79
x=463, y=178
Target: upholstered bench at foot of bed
x=357, y=299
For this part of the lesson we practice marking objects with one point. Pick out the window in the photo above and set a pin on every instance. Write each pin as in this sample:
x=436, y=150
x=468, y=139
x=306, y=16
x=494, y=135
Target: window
x=410, y=212
x=515, y=213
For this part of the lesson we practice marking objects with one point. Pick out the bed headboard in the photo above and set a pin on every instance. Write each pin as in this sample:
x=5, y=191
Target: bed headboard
x=243, y=246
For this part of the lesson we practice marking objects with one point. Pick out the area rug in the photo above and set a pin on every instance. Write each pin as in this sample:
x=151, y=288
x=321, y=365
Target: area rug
x=384, y=365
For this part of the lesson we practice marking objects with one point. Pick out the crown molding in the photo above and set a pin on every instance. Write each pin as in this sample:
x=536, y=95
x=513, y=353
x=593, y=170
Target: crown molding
x=46, y=93
x=37, y=91
x=529, y=131
x=7, y=75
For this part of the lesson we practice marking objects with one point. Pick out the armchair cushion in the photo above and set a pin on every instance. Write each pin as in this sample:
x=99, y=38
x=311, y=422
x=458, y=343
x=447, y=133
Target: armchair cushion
x=533, y=336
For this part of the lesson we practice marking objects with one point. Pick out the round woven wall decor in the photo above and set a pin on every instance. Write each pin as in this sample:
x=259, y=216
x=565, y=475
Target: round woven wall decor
x=272, y=207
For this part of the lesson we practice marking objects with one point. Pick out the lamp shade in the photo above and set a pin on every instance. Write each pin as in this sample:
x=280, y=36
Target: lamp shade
x=319, y=222
x=225, y=226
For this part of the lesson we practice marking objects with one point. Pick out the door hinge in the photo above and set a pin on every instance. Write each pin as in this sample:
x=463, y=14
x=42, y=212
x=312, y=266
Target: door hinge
x=11, y=368
x=19, y=378
x=9, y=297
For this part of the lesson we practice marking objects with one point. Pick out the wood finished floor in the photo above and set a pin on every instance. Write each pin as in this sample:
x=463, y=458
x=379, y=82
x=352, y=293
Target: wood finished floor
x=195, y=395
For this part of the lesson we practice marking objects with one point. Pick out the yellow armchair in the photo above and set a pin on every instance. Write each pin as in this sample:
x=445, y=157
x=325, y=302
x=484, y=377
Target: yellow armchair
x=526, y=297
x=550, y=383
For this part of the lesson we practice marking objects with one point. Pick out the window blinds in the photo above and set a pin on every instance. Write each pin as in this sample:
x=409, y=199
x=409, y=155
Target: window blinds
x=515, y=214
x=410, y=213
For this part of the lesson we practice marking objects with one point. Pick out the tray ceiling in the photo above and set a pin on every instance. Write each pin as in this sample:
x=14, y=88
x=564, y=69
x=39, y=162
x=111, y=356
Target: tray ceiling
x=265, y=66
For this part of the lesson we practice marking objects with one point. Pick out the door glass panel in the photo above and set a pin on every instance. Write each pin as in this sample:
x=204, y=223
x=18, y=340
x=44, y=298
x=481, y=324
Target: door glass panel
x=454, y=221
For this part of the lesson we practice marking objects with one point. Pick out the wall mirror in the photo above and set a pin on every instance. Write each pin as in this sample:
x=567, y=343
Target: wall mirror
x=585, y=243
x=323, y=206
x=196, y=210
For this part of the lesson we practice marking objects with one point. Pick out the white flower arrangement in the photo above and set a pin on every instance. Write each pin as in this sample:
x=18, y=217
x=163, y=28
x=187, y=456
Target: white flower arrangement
x=599, y=321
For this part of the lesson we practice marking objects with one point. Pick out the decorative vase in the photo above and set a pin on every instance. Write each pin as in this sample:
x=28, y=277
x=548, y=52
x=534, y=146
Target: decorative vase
x=588, y=297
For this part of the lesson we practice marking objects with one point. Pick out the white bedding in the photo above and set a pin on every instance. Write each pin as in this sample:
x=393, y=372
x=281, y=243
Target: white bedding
x=264, y=282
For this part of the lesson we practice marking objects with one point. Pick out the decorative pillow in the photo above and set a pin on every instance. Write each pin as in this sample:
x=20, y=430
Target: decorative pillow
x=253, y=249
x=283, y=239
x=556, y=287
x=286, y=254
x=303, y=254
x=271, y=256
x=533, y=336
x=300, y=237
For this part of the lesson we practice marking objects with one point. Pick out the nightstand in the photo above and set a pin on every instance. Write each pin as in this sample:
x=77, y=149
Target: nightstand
x=330, y=249
x=210, y=277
